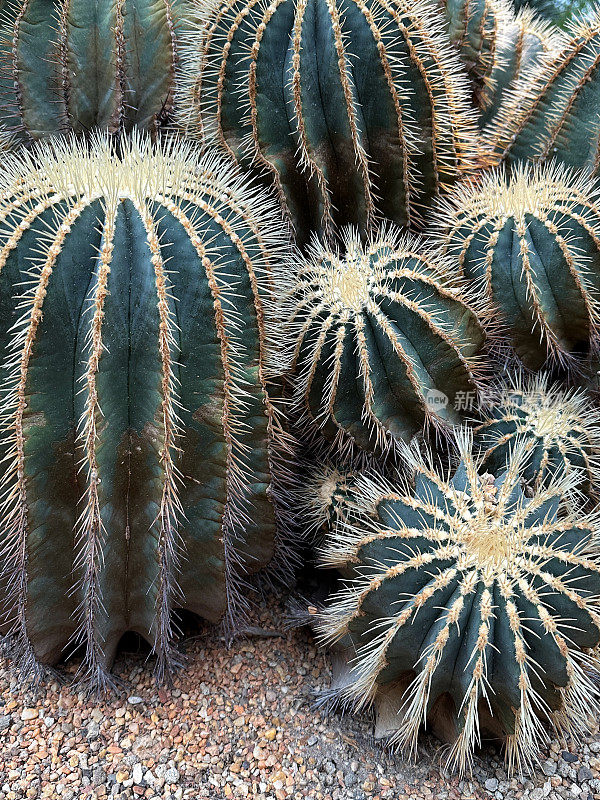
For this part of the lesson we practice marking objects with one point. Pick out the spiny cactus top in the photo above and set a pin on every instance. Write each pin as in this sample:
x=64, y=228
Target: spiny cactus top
x=135, y=416
x=553, y=111
x=383, y=339
x=530, y=240
x=475, y=604
x=560, y=429
x=74, y=65
x=353, y=109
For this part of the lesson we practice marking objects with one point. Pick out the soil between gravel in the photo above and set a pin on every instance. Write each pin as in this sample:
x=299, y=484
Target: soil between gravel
x=240, y=722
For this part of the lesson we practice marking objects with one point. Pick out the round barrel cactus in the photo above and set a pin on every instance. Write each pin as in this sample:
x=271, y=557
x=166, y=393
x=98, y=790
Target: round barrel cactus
x=559, y=428
x=553, y=111
x=139, y=443
x=84, y=64
x=471, y=606
x=383, y=340
x=529, y=240
x=352, y=110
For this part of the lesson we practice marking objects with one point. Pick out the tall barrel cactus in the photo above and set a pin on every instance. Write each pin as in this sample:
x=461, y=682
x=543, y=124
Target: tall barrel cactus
x=352, y=110
x=383, y=340
x=530, y=241
x=138, y=439
x=471, y=606
x=559, y=429
x=76, y=65
x=553, y=111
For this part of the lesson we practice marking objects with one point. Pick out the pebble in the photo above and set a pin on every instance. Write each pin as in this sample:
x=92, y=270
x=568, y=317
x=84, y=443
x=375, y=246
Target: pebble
x=134, y=700
x=491, y=784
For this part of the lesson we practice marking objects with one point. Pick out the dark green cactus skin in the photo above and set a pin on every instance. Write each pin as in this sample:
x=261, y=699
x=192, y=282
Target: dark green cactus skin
x=465, y=588
x=560, y=430
x=136, y=424
x=377, y=334
x=553, y=113
x=77, y=65
x=530, y=244
x=350, y=109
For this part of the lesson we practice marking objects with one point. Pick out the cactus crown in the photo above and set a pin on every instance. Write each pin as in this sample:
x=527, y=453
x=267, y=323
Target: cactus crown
x=552, y=113
x=343, y=138
x=377, y=332
x=530, y=240
x=477, y=603
x=133, y=376
x=77, y=66
x=559, y=427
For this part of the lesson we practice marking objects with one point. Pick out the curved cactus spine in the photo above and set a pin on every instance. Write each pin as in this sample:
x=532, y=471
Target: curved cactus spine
x=530, y=241
x=378, y=333
x=559, y=429
x=136, y=423
x=457, y=600
x=345, y=139
x=552, y=113
x=77, y=66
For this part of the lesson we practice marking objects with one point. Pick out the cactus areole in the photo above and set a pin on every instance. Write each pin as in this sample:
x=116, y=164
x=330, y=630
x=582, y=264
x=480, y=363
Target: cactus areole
x=135, y=416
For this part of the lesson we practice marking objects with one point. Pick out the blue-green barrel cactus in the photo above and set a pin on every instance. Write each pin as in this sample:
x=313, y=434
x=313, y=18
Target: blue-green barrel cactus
x=470, y=607
x=352, y=110
x=138, y=440
x=77, y=65
x=529, y=241
x=552, y=113
x=559, y=429
x=382, y=339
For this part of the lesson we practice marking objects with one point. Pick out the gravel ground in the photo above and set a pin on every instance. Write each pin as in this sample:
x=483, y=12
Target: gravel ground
x=239, y=723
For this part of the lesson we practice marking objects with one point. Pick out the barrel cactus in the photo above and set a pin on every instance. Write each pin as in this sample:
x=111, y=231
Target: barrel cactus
x=352, y=110
x=476, y=606
x=138, y=438
x=80, y=65
x=530, y=242
x=383, y=340
x=559, y=428
x=553, y=111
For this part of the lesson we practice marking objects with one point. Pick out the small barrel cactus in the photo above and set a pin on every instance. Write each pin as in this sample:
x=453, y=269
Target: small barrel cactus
x=138, y=438
x=530, y=241
x=353, y=110
x=559, y=428
x=383, y=340
x=553, y=111
x=85, y=64
x=472, y=604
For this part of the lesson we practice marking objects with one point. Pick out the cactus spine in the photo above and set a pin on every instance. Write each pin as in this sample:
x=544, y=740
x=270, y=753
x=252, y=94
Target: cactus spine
x=377, y=333
x=79, y=65
x=475, y=605
x=530, y=242
x=353, y=111
x=135, y=419
x=559, y=429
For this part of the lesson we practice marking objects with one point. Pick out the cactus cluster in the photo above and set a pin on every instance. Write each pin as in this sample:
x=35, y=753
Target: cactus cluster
x=352, y=110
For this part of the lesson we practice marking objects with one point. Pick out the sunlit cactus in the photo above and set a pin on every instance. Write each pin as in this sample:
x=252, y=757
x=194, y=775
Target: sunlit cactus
x=81, y=65
x=559, y=429
x=383, y=340
x=553, y=111
x=139, y=442
x=529, y=241
x=352, y=110
x=471, y=606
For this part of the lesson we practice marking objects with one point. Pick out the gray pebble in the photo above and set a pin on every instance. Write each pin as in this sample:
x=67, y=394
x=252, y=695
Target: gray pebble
x=584, y=774
x=549, y=768
x=491, y=784
x=171, y=775
x=134, y=700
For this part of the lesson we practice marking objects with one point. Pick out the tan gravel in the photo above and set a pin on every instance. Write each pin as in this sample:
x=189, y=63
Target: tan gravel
x=238, y=723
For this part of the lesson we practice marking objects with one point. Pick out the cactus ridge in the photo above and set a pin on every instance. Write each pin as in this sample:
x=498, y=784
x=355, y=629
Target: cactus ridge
x=529, y=241
x=73, y=66
x=343, y=139
x=372, y=330
x=560, y=429
x=551, y=113
x=480, y=603
x=173, y=528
